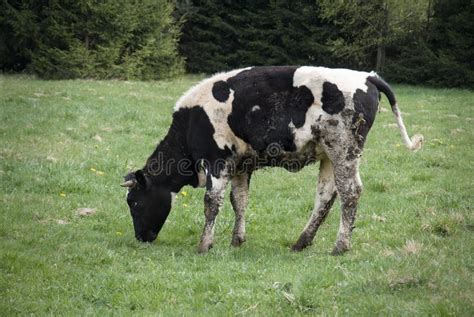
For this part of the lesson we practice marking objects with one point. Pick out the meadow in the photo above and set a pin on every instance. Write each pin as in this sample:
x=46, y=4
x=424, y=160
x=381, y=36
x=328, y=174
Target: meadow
x=65, y=145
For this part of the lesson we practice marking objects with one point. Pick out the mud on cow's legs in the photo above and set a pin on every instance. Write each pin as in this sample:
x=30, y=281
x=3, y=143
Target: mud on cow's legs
x=349, y=187
x=325, y=196
x=213, y=201
x=239, y=199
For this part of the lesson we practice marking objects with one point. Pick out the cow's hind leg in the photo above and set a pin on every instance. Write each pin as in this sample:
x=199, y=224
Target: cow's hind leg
x=239, y=199
x=325, y=196
x=213, y=201
x=349, y=187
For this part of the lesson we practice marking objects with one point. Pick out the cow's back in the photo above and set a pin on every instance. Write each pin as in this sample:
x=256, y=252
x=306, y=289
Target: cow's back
x=264, y=106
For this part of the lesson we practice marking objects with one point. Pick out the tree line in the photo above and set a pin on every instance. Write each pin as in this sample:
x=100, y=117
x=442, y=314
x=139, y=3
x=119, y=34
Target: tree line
x=427, y=42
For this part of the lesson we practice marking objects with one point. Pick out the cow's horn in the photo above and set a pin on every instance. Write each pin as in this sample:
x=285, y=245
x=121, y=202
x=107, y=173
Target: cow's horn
x=129, y=183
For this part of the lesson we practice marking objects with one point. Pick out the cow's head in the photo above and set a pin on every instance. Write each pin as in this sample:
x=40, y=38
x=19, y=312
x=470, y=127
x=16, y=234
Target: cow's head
x=149, y=205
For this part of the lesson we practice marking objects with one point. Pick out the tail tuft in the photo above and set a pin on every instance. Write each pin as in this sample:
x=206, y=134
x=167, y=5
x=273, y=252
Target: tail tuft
x=416, y=142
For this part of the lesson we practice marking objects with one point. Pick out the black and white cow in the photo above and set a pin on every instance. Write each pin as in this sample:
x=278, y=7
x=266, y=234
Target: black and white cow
x=233, y=123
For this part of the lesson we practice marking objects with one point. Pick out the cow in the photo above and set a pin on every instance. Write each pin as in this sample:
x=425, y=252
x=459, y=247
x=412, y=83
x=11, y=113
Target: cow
x=233, y=123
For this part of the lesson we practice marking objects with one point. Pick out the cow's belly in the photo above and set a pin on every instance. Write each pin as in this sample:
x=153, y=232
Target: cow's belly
x=275, y=156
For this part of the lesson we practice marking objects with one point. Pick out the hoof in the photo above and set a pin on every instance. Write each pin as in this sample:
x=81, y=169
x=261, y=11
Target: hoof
x=237, y=241
x=340, y=249
x=202, y=249
x=297, y=248
x=301, y=244
x=338, y=252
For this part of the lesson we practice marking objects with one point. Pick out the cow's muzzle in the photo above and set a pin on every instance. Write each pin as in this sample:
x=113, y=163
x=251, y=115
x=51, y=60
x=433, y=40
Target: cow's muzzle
x=148, y=236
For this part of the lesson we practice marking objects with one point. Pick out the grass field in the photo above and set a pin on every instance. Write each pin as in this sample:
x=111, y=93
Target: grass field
x=65, y=145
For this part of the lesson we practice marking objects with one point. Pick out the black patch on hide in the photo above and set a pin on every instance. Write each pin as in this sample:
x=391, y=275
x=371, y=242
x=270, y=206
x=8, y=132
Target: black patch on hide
x=332, y=98
x=221, y=91
x=271, y=89
x=365, y=106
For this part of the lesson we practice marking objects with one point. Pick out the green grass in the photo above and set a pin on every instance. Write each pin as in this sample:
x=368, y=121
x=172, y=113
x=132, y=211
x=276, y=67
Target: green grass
x=66, y=145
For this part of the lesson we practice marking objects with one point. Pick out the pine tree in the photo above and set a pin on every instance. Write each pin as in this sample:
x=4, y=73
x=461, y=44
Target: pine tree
x=221, y=35
x=368, y=29
x=207, y=40
x=440, y=53
x=91, y=39
x=452, y=43
x=18, y=30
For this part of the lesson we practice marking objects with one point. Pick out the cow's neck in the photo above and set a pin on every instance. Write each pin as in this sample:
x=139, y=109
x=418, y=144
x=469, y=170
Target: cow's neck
x=170, y=164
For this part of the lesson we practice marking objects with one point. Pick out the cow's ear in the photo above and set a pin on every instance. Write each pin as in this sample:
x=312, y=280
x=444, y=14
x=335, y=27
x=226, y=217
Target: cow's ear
x=142, y=179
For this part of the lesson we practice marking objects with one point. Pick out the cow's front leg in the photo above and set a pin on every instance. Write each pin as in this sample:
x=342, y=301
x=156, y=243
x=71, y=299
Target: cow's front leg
x=325, y=196
x=239, y=199
x=213, y=201
x=349, y=187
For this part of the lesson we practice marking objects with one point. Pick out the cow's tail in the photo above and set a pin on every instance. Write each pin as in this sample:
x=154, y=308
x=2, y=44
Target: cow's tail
x=416, y=141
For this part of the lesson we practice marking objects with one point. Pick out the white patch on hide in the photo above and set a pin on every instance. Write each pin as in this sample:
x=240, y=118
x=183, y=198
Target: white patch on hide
x=255, y=108
x=218, y=184
x=201, y=95
x=202, y=178
x=304, y=134
x=173, y=198
x=347, y=81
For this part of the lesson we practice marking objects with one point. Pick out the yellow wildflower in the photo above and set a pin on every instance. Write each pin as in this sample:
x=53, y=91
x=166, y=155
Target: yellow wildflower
x=62, y=194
